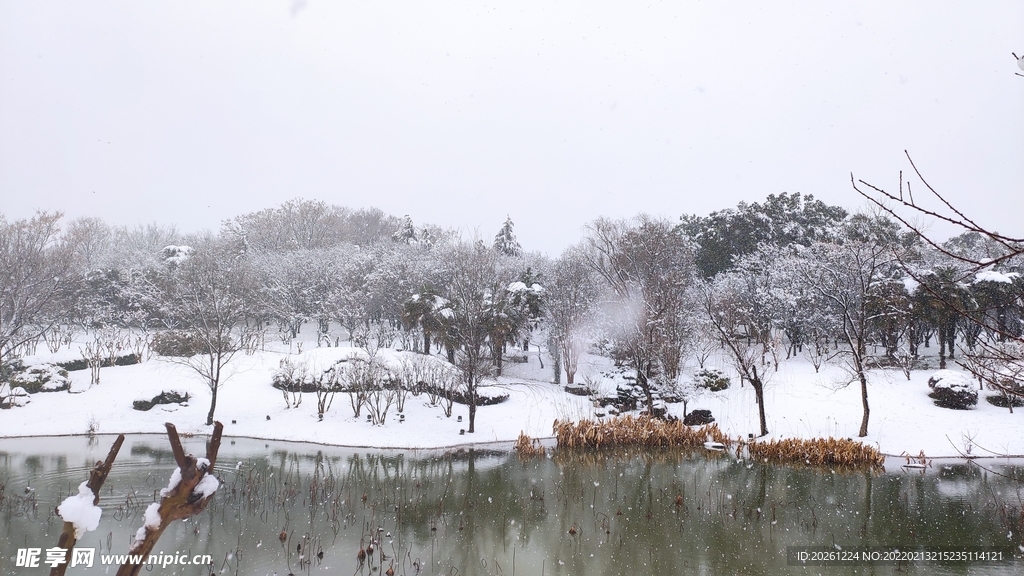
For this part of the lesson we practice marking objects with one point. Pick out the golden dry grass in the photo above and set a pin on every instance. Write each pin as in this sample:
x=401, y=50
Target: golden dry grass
x=817, y=452
x=527, y=448
x=630, y=431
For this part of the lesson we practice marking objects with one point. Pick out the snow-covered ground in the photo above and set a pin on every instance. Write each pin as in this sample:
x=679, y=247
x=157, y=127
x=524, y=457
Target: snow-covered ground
x=799, y=403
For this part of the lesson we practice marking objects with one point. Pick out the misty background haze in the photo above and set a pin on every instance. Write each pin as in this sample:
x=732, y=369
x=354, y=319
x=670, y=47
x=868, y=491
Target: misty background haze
x=460, y=114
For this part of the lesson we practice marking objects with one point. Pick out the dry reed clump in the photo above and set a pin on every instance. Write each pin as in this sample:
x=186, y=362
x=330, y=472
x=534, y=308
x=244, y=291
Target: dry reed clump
x=817, y=452
x=528, y=448
x=630, y=431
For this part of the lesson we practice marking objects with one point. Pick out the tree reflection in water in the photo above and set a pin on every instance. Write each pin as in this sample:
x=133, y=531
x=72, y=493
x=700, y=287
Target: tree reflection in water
x=488, y=512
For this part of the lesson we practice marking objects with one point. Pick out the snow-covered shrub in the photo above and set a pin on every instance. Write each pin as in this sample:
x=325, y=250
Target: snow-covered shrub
x=411, y=369
x=92, y=354
x=713, y=380
x=627, y=396
x=484, y=397
x=379, y=401
x=82, y=364
x=59, y=335
x=517, y=357
x=659, y=408
x=1004, y=401
x=698, y=418
x=578, y=389
x=359, y=377
x=12, y=397
x=42, y=378
x=292, y=379
x=952, y=389
x=370, y=383
x=176, y=343
x=7, y=369
x=438, y=379
x=327, y=385
x=164, y=397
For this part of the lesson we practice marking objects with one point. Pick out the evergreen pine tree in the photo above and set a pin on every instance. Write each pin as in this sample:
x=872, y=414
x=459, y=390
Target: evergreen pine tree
x=505, y=241
x=406, y=232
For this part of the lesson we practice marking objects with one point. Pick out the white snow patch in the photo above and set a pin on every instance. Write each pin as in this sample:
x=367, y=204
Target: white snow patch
x=16, y=396
x=172, y=484
x=152, y=521
x=950, y=379
x=176, y=254
x=994, y=276
x=207, y=486
x=799, y=402
x=153, y=517
x=80, y=510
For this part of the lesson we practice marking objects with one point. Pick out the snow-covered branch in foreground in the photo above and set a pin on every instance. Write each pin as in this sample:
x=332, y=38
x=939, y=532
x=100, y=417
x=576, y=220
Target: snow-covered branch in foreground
x=188, y=492
x=79, y=510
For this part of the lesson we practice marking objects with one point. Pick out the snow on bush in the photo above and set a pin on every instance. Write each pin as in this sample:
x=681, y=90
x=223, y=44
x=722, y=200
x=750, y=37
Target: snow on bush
x=996, y=276
x=711, y=379
x=952, y=389
x=42, y=378
x=11, y=397
x=147, y=402
x=80, y=510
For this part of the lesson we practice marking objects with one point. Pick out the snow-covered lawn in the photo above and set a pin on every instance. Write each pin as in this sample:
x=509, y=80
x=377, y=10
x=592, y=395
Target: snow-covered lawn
x=799, y=403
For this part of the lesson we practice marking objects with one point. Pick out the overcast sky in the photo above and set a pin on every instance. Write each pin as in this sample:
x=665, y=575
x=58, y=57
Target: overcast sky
x=459, y=114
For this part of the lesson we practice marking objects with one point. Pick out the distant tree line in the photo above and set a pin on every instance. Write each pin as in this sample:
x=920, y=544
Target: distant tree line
x=787, y=276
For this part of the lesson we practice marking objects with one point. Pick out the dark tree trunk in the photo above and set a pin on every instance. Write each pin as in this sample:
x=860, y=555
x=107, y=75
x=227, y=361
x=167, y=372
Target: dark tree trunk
x=472, y=407
x=498, y=355
x=942, y=349
x=645, y=385
x=755, y=381
x=213, y=404
x=864, y=401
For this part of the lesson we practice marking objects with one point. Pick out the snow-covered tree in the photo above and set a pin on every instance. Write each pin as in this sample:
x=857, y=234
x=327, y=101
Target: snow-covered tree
x=848, y=276
x=474, y=277
x=34, y=267
x=90, y=240
x=782, y=220
x=647, y=266
x=992, y=360
x=293, y=287
x=505, y=240
x=739, y=313
x=208, y=295
x=529, y=295
x=570, y=298
x=300, y=224
x=406, y=232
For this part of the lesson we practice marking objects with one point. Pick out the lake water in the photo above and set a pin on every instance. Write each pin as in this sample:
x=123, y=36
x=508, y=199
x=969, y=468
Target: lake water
x=487, y=512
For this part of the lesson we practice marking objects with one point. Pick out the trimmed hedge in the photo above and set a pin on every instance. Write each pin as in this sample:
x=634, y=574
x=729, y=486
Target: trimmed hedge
x=164, y=397
x=81, y=364
x=482, y=399
x=1002, y=402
